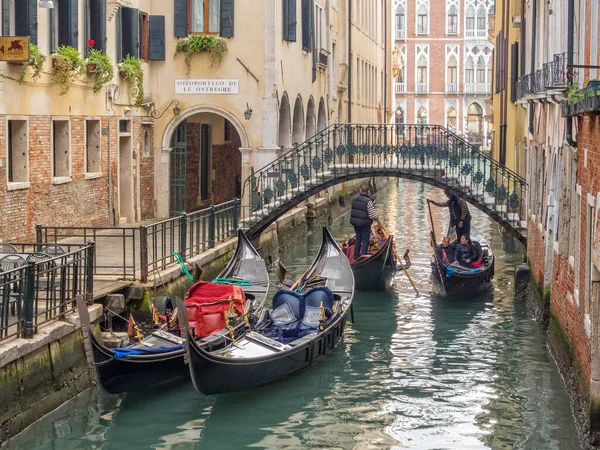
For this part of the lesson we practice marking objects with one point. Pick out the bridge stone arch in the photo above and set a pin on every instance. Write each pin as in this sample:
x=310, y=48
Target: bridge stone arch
x=430, y=154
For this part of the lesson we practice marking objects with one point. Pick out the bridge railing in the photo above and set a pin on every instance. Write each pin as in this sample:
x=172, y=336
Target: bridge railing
x=431, y=153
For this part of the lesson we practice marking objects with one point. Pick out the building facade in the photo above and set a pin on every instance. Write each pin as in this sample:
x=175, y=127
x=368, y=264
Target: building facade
x=558, y=56
x=443, y=65
x=75, y=155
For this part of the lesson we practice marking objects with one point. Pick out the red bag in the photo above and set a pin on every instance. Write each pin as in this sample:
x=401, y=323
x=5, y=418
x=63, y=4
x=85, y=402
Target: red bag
x=206, y=304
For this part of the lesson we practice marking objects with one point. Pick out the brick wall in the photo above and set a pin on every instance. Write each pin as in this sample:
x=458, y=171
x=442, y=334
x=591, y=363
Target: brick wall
x=536, y=252
x=227, y=169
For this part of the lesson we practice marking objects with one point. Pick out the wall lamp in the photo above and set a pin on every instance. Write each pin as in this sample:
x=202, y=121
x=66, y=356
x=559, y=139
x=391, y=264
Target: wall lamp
x=248, y=112
x=46, y=4
x=176, y=110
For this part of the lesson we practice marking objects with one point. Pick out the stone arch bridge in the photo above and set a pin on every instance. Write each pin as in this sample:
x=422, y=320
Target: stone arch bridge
x=431, y=154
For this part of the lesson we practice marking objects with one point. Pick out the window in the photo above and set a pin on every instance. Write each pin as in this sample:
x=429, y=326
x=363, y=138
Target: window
x=470, y=22
x=452, y=20
x=96, y=18
x=452, y=71
x=480, y=70
x=422, y=22
x=227, y=131
x=399, y=119
x=17, y=155
x=61, y=149
x=146, y=143
x=451, y=119
x=400, y=23
x=469, y=71
x=204, y=16
x=307, y=25
x=422, y=75
x=422, y=116
x=92, y=147
x=289, y=20
x=318, y=27
x=481, y=22
x=21, y=21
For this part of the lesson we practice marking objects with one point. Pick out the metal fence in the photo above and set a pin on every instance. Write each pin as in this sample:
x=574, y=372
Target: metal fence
x=44, y=289
x=136, y=252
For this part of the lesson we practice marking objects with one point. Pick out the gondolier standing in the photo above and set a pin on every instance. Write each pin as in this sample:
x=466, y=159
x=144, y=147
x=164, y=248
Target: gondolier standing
x=459, y=213
x=362, y=216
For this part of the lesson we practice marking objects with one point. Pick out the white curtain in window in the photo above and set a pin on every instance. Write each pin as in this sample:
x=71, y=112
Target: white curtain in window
x=197, y=16
x=214, y=9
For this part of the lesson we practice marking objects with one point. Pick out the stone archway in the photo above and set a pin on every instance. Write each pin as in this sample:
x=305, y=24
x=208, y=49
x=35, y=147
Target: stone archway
x=322, y=117
x=311, y=121
x=284, y=136
x=298, y=124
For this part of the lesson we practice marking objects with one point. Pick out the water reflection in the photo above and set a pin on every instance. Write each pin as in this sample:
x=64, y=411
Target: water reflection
x=414, y=372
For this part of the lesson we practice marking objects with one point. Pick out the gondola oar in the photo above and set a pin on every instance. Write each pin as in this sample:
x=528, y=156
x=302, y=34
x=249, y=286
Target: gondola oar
x=432, y=225
x=400, y=262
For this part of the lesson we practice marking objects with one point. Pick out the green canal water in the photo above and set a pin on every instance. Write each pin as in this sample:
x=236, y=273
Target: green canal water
x=412, y=372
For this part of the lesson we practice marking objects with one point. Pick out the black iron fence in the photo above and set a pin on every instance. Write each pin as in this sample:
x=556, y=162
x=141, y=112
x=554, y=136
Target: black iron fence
x=553, y=75
x=580, y=101
x=135, y=252
x=37, y=287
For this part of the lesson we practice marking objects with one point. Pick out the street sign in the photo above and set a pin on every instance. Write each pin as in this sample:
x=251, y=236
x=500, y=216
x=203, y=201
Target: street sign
x=14, y=48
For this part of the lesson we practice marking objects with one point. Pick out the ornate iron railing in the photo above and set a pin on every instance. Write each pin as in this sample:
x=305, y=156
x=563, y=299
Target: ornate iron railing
x=429, y=153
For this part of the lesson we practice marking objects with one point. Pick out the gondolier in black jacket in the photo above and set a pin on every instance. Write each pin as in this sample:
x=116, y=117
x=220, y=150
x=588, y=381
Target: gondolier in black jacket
x=460, y=217
x=362, y=216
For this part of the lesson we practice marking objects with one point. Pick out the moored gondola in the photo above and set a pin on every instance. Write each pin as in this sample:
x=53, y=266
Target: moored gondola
x=159, y=357
x=300, y=330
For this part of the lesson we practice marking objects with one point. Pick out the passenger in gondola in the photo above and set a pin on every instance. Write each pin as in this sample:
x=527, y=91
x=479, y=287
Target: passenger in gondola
x=362, y=216
x=465, y=252
x=447, y=251
x=478, y=263
x=460, y=217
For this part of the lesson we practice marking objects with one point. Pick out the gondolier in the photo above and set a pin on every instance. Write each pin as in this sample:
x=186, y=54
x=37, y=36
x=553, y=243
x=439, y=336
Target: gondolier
x=362, y=216
x=460, y=217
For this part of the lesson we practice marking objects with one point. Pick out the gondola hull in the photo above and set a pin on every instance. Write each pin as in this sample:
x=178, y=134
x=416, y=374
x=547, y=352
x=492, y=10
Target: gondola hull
x=376, y=273
x=460, y=285
x=252, y=360
x=132, y=372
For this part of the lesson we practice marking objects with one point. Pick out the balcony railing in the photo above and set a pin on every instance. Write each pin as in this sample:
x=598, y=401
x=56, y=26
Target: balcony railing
x=481, y=33
x=477, y=88
x=582, y=100
x=451, y=88
x=469, y=33
x=422, y=87
x=400, y=88
x=553, y=75
x=400, y=34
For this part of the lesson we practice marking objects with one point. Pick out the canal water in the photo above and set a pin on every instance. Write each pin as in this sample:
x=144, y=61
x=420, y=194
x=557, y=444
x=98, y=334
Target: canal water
x=414, y=372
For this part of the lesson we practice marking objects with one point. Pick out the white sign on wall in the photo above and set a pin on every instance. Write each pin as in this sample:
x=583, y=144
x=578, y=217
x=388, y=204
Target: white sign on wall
x=206, y=86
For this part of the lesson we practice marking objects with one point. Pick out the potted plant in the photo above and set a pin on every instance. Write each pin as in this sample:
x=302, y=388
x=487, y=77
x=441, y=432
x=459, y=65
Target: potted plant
x=67, y=64
x=100, y=67
x=196, y=43
x=36, y=60
x=131, y=70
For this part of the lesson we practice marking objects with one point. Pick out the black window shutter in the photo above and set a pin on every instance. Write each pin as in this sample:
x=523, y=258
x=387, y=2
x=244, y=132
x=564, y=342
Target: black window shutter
x=514, y=70
x=156, y=39
x=180, y=22
x=129, y=32
x=98, y=23
x=289, y=20
x=68, y=23
x=227, y=13
x=313, y=40
x=5, y=17
x=26, y=20
x=306, y=25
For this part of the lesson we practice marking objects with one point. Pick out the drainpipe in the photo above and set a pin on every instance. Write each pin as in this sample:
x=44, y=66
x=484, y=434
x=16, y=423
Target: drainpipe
x=533, y=33
x=570, y=43
x=350, y=61
x=385, y=67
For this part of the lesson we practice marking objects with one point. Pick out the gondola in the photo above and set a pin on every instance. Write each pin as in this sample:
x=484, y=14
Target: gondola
x=452, y=280
x=376, y=271
x=159, y=358
x=280, y=345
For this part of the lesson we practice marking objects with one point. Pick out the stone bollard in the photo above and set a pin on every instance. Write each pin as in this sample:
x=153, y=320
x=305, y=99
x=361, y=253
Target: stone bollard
x=522, y=275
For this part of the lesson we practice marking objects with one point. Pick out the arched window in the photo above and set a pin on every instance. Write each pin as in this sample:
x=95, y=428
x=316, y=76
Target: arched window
x=470, y=22
x=469, y=71
x=452, y=73
x=481, y=22
x=400, y=22
x=452, y=20
x=422, y=21
x=422, y=115
x=399, y=120
x=475, y=123
x=451, y=119
x=480, y=70
x=422, y=75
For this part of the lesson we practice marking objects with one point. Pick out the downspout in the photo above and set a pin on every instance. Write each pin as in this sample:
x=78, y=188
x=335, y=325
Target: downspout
x=385, y=67
x=350, y=61
x=532, y=68
x=570, y=44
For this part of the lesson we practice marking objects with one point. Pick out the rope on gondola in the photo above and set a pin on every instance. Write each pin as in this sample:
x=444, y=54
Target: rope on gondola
x=232, y=281
x=182, y=264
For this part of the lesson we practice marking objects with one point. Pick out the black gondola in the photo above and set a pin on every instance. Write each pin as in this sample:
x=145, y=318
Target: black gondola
x=255, y=358
x=451, y=280
x=119, y=373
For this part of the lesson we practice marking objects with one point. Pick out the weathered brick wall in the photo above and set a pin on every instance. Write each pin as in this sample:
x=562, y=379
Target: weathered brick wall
x=227, y=169
x=145, y=157
x=536, y=252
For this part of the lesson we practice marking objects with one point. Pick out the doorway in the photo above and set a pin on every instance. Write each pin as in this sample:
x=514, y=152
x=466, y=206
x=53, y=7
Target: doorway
x=126, y=176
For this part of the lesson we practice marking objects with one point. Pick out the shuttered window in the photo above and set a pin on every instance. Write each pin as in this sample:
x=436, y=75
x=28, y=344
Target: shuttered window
x=307, y=24
x=156, y=45
x=97, y=21
x=26, y=20
x=203, y=16
x=180, y=18
x=68, y=22
x=5, y=17
x=289, y=20
x=514, y=70
x=129, y=32
x=227, y=13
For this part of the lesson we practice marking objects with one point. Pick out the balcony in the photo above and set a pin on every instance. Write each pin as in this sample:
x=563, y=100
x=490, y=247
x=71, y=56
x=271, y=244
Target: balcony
x=553, y=76
x=400, y=34
x=476, y=34
x=422, y=88
x=477, y=88
x=451, y=88
x=582, y=101
x=400, y=88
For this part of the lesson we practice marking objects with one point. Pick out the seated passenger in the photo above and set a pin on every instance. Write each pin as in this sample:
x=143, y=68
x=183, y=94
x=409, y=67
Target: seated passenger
x=465, y=253
x=478, y=262
x=447, y=251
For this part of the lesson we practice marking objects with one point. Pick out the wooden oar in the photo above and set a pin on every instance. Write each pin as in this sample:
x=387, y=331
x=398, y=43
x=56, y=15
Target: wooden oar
x=400, y=261
x=432, y=225
x=282, y=272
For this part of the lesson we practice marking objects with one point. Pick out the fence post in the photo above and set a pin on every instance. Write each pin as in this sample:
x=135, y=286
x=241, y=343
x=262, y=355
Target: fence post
x=89, y=273
x=236, y=205
x=183, y=235
x=38, y=237
x=28, y=329
x=143, y=254
x=211, y=228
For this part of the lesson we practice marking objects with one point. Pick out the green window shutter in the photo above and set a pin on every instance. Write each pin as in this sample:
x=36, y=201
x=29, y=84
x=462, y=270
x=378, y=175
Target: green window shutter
x=289, y=20
x=156, y=39
x=180, y=21
x=514, y=70
x=26, y=20
x=129, y=32
x=5, y=17
x=68, y=23
x=227, y=14
x=306, y=17
x=98, y=23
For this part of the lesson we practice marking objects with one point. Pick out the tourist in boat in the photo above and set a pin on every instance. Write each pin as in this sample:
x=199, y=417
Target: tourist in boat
x=460, y=217
x=362, y=216
x=465, y=252
x=447, y=251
